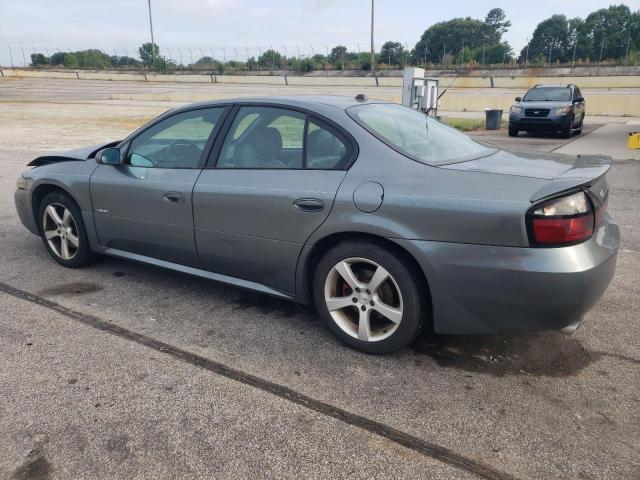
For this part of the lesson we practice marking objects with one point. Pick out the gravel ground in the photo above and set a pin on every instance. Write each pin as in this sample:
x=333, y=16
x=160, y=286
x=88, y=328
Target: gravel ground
x=106, y=399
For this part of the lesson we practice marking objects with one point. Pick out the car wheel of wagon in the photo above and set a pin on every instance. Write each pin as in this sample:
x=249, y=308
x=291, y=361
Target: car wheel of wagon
x=368, y=297
x=579, y=129
x=63, y=231
x=513, y=132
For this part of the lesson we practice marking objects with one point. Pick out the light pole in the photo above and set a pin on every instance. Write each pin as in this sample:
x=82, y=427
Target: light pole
x=153, y=53
x=372, y=48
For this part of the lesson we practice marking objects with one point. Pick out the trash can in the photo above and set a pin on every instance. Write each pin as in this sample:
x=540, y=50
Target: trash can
x=493, y=120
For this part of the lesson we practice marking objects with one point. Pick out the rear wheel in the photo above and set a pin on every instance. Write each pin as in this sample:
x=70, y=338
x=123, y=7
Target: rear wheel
x=579, y=129
x=63, y=231
x=368, y=297
x=513, y=132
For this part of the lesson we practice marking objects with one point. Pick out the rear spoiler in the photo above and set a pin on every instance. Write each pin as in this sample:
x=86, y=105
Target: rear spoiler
x=585, y=172
x=77, y=155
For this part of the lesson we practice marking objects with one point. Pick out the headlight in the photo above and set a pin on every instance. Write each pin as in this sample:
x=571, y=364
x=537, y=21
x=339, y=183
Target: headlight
x=560, y=111
x=515, y=109
x=23, y=183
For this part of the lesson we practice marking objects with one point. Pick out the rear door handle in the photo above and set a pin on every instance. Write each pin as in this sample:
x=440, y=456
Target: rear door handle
x=174, y=197
x=308, y=205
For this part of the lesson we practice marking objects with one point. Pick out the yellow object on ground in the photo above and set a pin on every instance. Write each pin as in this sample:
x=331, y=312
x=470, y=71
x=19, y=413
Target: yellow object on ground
x=634, y=140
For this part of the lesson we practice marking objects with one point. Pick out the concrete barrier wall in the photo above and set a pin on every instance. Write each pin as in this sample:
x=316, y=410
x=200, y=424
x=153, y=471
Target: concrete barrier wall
x=332, y=81
x=251, y=80
x=616, y=105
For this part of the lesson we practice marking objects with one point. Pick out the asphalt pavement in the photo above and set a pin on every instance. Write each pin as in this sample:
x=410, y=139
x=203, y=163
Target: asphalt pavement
x=121, y=370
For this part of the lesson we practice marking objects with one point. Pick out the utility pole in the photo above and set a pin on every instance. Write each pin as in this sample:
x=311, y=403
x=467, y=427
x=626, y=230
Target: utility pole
x=153, y=50
x=372, y=49
x=626, y=53
x=601, y=47
x=526, y=56
x=575, y=44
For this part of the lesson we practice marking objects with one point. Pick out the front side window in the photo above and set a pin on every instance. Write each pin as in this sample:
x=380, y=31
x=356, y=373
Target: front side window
x=548, y=94
x=175, y=142
x=417, y=135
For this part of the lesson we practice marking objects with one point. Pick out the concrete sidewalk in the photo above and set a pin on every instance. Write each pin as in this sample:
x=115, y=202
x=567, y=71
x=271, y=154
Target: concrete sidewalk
x=610, y=139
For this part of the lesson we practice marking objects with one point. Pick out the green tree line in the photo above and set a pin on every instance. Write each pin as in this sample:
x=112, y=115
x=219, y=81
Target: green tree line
x=607, y=35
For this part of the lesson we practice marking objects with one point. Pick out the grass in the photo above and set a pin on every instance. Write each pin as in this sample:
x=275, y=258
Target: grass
x=467, y=124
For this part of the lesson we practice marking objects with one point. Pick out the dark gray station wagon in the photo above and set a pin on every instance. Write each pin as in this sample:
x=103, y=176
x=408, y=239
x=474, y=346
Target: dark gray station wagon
x=388, y=220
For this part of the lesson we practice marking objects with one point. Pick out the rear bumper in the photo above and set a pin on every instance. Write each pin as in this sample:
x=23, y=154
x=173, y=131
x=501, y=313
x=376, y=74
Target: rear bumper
x=488, y=289
x=549, y=124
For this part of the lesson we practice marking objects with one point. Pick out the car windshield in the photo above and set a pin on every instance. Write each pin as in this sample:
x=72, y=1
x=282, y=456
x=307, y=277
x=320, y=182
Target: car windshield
x=417, y=135
x=548, y=94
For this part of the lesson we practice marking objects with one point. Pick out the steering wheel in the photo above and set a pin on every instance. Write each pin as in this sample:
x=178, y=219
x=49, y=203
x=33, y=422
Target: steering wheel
x=173, y=156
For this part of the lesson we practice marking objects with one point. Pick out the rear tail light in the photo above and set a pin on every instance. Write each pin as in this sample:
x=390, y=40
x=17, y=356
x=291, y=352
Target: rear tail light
x=561, y=221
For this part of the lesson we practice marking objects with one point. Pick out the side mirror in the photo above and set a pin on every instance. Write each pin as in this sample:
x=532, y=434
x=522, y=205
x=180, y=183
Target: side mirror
x=578, y=100
x=518, y=99
x=109, y=156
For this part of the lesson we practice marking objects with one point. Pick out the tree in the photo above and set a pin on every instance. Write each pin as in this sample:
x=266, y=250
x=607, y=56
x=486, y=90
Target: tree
x=392, y=53
x=497, y=24
x=609, y=29
x=550, y=40
x=452, y=36
x=271, y=58
x=38, y=60
x=338, y=55
x=149, y=52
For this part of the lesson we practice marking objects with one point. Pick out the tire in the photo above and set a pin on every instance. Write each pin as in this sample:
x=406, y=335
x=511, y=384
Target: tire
x=566, y=132
x=401, y=296
x=513, y=132
x=65, y=226
x=579, y=129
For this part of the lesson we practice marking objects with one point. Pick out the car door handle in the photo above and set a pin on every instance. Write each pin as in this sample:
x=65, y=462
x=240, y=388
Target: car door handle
x=308, y=205
x=174, y=197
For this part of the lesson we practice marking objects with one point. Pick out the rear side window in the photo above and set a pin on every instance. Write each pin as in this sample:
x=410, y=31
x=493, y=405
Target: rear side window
x=325, y=149
x=279, y=138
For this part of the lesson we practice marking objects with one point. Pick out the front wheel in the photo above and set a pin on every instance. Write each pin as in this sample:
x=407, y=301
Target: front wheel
x=370, y=299
x=63, y=232
x=513, y=132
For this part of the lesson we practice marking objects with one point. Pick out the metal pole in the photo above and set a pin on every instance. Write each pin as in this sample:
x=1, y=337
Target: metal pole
x=372, y=48
x=10, y=55
x=573, y=61
x=153, y=53
x=550, y=50
x=444, y=49
x=484, y=48
x=627, y=50
x=24, y=59
x=601, y=47
x=180, y=55
x=526, y=57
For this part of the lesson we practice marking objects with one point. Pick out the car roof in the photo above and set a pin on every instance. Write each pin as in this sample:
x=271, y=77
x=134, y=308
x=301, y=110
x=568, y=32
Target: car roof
x=569, y=85
x=308, y=101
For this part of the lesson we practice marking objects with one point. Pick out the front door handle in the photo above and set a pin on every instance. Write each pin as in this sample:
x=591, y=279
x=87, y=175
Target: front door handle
x=174, y=197
x=308, y=205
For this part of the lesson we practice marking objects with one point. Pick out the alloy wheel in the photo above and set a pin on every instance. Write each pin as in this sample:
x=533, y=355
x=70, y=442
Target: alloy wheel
x=363, y=299
x=60, y=231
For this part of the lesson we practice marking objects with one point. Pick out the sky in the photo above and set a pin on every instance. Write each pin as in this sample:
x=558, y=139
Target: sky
x=209, y=26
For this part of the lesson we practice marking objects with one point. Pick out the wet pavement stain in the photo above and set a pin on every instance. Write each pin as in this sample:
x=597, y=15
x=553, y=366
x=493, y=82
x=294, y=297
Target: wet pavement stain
x=36, y=467
x=549, y=354
x=70, y=288
x=270, y=306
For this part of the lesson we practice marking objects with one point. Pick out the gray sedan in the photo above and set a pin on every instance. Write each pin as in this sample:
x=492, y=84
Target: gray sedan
x=388, y=220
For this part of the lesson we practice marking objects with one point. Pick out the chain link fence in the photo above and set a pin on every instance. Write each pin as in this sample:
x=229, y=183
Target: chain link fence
x=297, y=57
